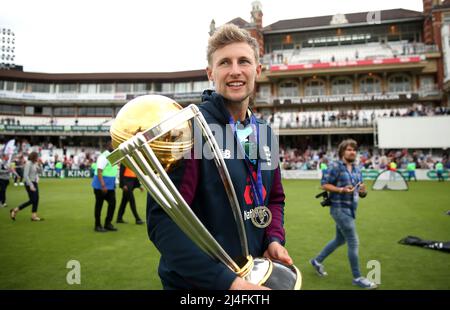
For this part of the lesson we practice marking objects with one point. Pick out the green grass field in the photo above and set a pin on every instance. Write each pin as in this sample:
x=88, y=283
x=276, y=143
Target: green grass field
x=34, y=255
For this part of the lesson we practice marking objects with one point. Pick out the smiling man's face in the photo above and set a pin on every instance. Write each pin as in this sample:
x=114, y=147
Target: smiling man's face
x=234, y=70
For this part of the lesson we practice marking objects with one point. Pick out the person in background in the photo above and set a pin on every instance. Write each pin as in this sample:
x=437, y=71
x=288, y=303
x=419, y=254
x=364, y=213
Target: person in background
x=392, y=167
x=345, y=184
x=440, y=171
x=128, y=182
x=5, y=171
x=18, y=168
x=93, y=167
x=31, y=171
x=323, y=167
x=411, y=168
x=58, y=167
x=104, y=185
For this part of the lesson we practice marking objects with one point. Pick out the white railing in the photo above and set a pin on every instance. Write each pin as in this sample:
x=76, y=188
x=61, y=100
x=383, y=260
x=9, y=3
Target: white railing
x=92, y=96
x=61, y=97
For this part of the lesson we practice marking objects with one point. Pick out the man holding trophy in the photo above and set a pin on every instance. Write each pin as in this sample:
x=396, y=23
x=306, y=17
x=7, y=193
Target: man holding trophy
x=216, y=206
x=233, y=66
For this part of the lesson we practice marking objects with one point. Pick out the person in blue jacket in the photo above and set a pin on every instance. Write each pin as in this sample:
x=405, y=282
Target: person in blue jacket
x=233, y=66
x=104, y=186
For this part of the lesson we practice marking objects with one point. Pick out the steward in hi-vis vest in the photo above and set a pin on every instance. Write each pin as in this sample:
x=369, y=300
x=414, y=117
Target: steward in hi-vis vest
x=104, y=184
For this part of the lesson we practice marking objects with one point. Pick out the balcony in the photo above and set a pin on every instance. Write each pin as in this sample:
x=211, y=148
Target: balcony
x=427, y=93
x=342, y=121
x=347, y=53
x=92, y=97
x=58, y=97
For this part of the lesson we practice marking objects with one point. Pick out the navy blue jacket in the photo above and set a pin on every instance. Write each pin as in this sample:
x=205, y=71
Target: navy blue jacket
x=183, y=265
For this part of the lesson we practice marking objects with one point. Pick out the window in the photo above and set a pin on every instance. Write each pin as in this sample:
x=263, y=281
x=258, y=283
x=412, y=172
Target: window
x=10, y=109
x=200, y=86
x=426, y=82
x=9, y=85
x=447, y=18
x=393, y=38
x=399, y=83
x=342, y=86
x=315, y=87
x=68, y=88
x=287, y=39
x=123, y=88
x=140, y=88
x=276, y=47
x=264, y=91
x=106, y=88
x=64, y=111
x=46, y=111
x=20, y=87
x=39, y=87
x=370, y=85
x=37, y=110
x=157, y=87
x=183, y=87
x=167, y=87
x=88, y=88
x=29, y=110
x=95, y=111
x=288, y=89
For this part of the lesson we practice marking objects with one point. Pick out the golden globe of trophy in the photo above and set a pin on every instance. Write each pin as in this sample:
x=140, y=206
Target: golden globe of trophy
x=150, y=135
x=144, y=112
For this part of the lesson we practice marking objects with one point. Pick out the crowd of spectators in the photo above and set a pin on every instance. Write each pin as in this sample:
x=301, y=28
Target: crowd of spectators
x=346, y=118
x=49, y=154
x=291, y=157
x=9, y=121
x=309, y=159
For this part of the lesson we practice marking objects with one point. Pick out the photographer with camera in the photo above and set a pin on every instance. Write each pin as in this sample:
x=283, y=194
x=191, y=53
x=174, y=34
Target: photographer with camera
x=344, y=182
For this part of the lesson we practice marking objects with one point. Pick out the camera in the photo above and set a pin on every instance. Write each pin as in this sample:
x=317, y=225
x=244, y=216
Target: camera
x=326, y=201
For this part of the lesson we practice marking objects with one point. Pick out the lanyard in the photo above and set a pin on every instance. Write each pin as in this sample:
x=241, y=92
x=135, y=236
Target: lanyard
x=354, y=179
x=257, y=186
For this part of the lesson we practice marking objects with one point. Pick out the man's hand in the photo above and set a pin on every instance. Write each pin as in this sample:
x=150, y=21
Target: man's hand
x=276, y=251
x=104, y=189
x=347, y=189
x=241, y=284
x=100, y=178
x=362, y=191
x=362, y=188
x=125, y=188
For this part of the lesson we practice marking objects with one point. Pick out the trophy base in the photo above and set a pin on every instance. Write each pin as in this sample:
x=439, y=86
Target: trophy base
x=273, y=274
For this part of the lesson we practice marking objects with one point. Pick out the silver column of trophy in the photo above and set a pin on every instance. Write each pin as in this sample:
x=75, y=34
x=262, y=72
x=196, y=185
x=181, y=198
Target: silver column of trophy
x=151, y=134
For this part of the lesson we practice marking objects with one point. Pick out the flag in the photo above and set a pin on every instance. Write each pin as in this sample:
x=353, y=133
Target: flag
x=9, y=149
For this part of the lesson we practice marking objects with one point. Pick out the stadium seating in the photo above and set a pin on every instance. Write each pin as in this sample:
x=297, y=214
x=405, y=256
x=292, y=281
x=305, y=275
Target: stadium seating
x=371, y=50
x=365, y=118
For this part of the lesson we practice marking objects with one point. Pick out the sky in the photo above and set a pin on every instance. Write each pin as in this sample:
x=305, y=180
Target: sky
x=70, y=36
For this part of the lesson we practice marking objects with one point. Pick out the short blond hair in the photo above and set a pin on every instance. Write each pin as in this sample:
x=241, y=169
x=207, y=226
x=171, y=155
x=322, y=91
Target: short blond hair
x=228, y=34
